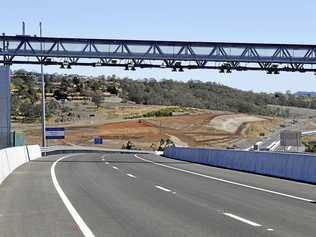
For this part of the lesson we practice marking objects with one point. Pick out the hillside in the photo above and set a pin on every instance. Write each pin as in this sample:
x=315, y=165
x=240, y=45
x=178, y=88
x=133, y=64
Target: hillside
x=195, y=94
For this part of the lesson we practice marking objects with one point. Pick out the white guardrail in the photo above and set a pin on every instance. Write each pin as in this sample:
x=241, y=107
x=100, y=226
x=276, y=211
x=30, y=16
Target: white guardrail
x=13, y=157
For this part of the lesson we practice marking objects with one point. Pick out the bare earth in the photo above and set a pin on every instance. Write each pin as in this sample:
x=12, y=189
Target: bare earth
x=231, y=123
x=198, y=129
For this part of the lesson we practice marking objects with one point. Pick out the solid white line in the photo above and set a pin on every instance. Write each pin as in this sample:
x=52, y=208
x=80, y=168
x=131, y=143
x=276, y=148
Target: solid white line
x=86, y=231
x=242, y=219
x=130, y=175
x=230, y=182
x=162, y=188
x=114, y=167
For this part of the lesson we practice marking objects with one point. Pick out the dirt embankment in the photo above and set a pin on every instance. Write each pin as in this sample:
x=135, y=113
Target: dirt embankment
x=216, y=129
x=231, y=123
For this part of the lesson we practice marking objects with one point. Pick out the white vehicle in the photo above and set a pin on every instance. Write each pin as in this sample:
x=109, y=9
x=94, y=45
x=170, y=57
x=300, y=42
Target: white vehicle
x=256, y=147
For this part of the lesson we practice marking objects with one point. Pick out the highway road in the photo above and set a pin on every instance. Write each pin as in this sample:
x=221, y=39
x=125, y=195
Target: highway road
x=147, y=195
x=272, y=142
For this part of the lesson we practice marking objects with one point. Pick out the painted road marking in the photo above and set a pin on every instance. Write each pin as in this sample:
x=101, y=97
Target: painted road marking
x=107, y=163
x=86, y=231
x=114, y=167
x=229, y=182
x=242, y=219
x=132, y=176
x=270, y=229
x=162, y=188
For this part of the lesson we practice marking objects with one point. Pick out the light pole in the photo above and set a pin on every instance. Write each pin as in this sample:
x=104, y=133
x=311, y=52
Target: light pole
x=43, y=115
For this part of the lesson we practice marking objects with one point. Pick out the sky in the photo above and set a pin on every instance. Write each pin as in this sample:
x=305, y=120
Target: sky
x=269, y=21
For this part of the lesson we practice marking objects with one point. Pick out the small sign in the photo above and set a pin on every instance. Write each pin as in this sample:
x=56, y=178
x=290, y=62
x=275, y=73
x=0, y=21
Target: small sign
x=98, y=141
x=290, y=138
x=55, y=133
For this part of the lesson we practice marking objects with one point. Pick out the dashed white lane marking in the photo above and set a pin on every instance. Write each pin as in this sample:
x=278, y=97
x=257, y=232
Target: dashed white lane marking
x=86, y=231
x=162, y=188
x=242, y=219
x=107, y=163
x=229, y=182
x=132, y=176
x=270, y=229
x=114, y=167
x=103, y=159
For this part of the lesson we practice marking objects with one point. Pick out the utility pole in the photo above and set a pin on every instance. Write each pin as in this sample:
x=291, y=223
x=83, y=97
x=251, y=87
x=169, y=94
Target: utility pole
x=43, y=115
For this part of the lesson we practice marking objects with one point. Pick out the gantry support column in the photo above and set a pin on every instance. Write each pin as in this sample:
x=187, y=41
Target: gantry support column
x=5, y=107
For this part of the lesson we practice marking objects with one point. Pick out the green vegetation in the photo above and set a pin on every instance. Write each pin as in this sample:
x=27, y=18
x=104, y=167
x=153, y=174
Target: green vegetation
x=309, y=147
x=195, y=94
x=165, y=144
x=206, y=95
x=129, y=146
x=165, y=112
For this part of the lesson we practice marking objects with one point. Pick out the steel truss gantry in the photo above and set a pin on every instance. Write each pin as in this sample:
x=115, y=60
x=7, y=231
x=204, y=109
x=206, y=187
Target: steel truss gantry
x=177, y=55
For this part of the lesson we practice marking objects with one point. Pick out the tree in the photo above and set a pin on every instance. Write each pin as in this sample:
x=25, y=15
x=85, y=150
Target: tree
x=60, y=95
x=30, y=111
x=16, y=105
x=112, y=89
x=97, y=100
x=52, y=107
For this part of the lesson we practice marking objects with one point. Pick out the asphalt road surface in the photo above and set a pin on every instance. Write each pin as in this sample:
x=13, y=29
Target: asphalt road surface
x=146, y=195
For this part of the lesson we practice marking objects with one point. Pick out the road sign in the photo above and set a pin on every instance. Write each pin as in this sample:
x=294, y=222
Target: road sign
x=290, y=138
x=98, y=140
x=55, y=133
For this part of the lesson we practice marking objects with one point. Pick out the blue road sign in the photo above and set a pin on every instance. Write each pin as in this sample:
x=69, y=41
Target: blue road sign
x=98, y=140
x=55, y=133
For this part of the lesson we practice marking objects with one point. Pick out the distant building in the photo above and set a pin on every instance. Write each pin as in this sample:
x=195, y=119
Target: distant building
x=305, y=94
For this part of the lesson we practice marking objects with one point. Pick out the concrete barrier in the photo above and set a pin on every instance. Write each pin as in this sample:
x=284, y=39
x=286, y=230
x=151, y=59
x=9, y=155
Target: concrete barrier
x=34, y=152
x=57, y=150
x=13, y=157
x=299, y=167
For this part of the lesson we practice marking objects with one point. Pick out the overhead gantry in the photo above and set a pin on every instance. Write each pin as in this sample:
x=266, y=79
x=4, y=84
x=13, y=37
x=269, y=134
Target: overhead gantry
x=176, y=55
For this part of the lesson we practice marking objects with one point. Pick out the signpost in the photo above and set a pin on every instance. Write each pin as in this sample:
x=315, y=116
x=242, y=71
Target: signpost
x=55, y=133
x=291, y=138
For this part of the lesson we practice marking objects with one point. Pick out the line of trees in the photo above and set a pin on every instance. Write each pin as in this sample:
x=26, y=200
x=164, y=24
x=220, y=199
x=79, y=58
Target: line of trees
x=198, y=94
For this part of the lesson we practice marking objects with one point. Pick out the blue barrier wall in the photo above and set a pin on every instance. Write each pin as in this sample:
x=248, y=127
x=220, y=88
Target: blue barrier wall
x=300, y=167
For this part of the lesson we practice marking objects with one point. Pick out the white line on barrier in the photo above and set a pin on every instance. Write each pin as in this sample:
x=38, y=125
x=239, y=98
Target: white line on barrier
x=86, y=231
x=242, y=219
x=132, y=176
x=227, y=181
x=162, y=188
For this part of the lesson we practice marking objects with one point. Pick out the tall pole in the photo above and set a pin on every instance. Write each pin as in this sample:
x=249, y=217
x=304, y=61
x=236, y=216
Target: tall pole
x=43, y=115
